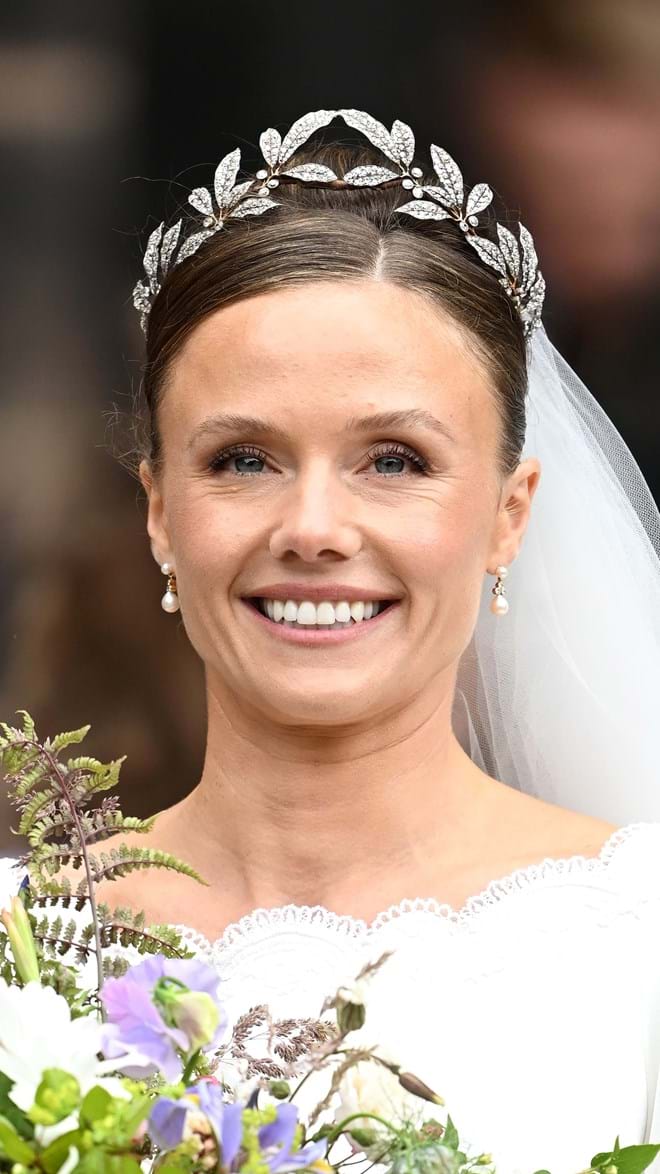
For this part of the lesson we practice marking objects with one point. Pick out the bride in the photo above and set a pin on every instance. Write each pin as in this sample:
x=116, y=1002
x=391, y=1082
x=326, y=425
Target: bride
x=353, y=407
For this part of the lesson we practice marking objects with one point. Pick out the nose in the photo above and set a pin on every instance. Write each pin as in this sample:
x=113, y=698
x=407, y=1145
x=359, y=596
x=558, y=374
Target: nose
x=316, y=519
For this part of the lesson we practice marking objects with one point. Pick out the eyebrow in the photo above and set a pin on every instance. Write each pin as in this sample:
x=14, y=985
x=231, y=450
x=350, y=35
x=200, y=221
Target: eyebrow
x=378, y=421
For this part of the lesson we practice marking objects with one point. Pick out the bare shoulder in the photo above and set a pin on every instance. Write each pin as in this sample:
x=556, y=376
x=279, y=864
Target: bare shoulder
x=536, y=829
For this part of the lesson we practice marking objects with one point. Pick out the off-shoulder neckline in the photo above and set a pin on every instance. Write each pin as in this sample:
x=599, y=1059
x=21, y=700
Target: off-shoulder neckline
x=322, y=921
x=262, y=922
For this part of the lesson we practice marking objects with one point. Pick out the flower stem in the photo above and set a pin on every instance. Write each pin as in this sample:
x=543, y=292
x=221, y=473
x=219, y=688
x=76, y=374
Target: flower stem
x=190, y=1066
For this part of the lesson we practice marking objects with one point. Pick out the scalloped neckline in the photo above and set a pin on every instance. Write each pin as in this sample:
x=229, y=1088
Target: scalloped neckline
x=345, y=925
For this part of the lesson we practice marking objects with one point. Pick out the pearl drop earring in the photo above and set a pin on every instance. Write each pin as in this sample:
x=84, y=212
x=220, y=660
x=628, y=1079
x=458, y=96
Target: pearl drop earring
x=170, y=600
x=500, y=604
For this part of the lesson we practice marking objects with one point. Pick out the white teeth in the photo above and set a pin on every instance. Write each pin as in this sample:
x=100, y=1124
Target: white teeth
x=323, y=615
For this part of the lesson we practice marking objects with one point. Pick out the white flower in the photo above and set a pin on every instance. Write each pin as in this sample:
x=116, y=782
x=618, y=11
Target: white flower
x=37, y=1032
x=369, y=1087
x=356, y=991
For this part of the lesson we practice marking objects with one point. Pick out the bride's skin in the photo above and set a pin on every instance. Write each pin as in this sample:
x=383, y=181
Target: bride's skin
x=332, y=774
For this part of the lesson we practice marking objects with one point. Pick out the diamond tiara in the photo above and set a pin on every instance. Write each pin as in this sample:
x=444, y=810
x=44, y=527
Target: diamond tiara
x=513, y=259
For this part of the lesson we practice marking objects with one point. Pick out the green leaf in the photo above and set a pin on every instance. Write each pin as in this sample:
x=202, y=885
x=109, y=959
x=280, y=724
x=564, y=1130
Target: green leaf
x=14, y=1146
x=450, y=1136
x=96, y=1104
x=67, y=739
x=58, y=1151
x=632, y=1159
x=97, y=1161
x=13, y=1114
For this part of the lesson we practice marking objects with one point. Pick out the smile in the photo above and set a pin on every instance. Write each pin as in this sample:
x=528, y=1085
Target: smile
x=318, y=633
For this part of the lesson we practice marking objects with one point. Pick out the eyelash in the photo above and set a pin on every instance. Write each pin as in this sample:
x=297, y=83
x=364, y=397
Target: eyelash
x=216, y=465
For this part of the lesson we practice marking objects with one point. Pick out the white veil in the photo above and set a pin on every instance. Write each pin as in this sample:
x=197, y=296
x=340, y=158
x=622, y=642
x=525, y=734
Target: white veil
x=560, y=697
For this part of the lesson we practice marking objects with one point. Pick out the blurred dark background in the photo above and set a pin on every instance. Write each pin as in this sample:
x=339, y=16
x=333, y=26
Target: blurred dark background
x=109, y=115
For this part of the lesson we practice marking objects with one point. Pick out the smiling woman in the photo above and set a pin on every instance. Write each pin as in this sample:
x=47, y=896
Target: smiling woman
x=336, y=399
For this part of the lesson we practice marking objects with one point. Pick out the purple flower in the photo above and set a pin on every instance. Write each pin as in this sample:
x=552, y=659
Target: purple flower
x=153, y=1010
x=281, y=1133
x=167, y=1122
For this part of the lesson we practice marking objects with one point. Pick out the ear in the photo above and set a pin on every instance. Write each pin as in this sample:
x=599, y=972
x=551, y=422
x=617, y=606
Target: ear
x=514, y=513
x=156, y=521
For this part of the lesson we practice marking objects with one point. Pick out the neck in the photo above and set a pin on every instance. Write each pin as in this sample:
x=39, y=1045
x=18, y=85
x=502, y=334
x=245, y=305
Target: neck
x=353, y=821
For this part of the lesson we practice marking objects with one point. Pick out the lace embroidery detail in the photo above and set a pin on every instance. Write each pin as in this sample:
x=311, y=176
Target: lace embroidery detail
x=343, y=926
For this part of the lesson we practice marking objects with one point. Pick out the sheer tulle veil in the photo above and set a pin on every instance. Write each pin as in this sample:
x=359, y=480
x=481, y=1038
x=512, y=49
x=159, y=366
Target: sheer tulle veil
x=560, y=698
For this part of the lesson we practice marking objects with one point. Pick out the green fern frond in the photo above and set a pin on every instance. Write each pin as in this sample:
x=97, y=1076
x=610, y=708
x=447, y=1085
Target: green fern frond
x=90, y=776
x=123, y=860
x=36, y=804
x=155, y=939
x=28, y=725
x=50, y=826
x=27, y=780
x=115, y=967
x=60, y=819
x=106, y=824
x=61, y=741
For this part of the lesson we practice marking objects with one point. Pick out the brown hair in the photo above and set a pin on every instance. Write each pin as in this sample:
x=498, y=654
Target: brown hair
x=343, y=234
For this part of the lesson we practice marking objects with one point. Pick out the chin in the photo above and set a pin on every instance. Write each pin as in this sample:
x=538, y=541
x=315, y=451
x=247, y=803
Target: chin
x=325, y=703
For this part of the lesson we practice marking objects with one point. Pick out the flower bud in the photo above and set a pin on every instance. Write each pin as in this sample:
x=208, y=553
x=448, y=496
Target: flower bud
x=351, y=1016
x=413, y=1084
x=364, y=1137
x=280, y=1089
x=19, y=932
x=196, y=1013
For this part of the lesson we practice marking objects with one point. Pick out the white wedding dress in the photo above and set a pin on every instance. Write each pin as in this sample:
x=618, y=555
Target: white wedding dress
x=534, y=1010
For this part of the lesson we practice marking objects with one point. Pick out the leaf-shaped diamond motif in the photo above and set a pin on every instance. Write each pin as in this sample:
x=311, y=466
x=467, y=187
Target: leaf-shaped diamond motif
x=488, y=253
x=440, y=194
x=254, y=207
x=529, y=259
x=170, y=241
x=425, y=210
x=141, y=297
x=151, y=255
x=369, y=175
x=238, y=192
x=512, y=257
x=270, y=142
x=200, y=199
x=510, y=249
x=301, y=131
x=478, y=199
x=448, y=173
x=403, y=141
x=225, y=176
x=311, y=171
x=374, y=130
x=192, y=243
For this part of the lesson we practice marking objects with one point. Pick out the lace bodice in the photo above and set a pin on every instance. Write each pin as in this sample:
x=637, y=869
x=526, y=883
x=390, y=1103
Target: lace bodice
x=534, y=1010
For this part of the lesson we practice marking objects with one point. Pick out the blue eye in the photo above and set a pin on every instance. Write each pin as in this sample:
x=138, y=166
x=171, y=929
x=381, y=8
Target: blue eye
x=252, y=455
x=399, y=452
x=237, y=452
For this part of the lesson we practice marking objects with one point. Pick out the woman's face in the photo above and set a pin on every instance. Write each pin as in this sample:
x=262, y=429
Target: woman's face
x=401, y=510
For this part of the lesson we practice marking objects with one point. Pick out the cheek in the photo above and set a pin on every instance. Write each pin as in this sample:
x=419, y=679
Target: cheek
x=446, y=558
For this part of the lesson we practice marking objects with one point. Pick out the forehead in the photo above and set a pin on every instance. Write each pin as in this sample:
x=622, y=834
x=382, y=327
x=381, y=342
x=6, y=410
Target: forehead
x=332, y=347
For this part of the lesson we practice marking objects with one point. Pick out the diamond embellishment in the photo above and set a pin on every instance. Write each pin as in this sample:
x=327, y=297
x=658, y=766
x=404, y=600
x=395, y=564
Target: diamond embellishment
x=514, y=259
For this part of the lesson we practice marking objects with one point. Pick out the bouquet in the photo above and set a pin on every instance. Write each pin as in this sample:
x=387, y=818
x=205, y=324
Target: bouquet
x=141, y=1072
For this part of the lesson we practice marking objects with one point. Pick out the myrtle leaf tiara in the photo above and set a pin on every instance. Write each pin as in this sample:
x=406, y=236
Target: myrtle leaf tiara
x=513, y=259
